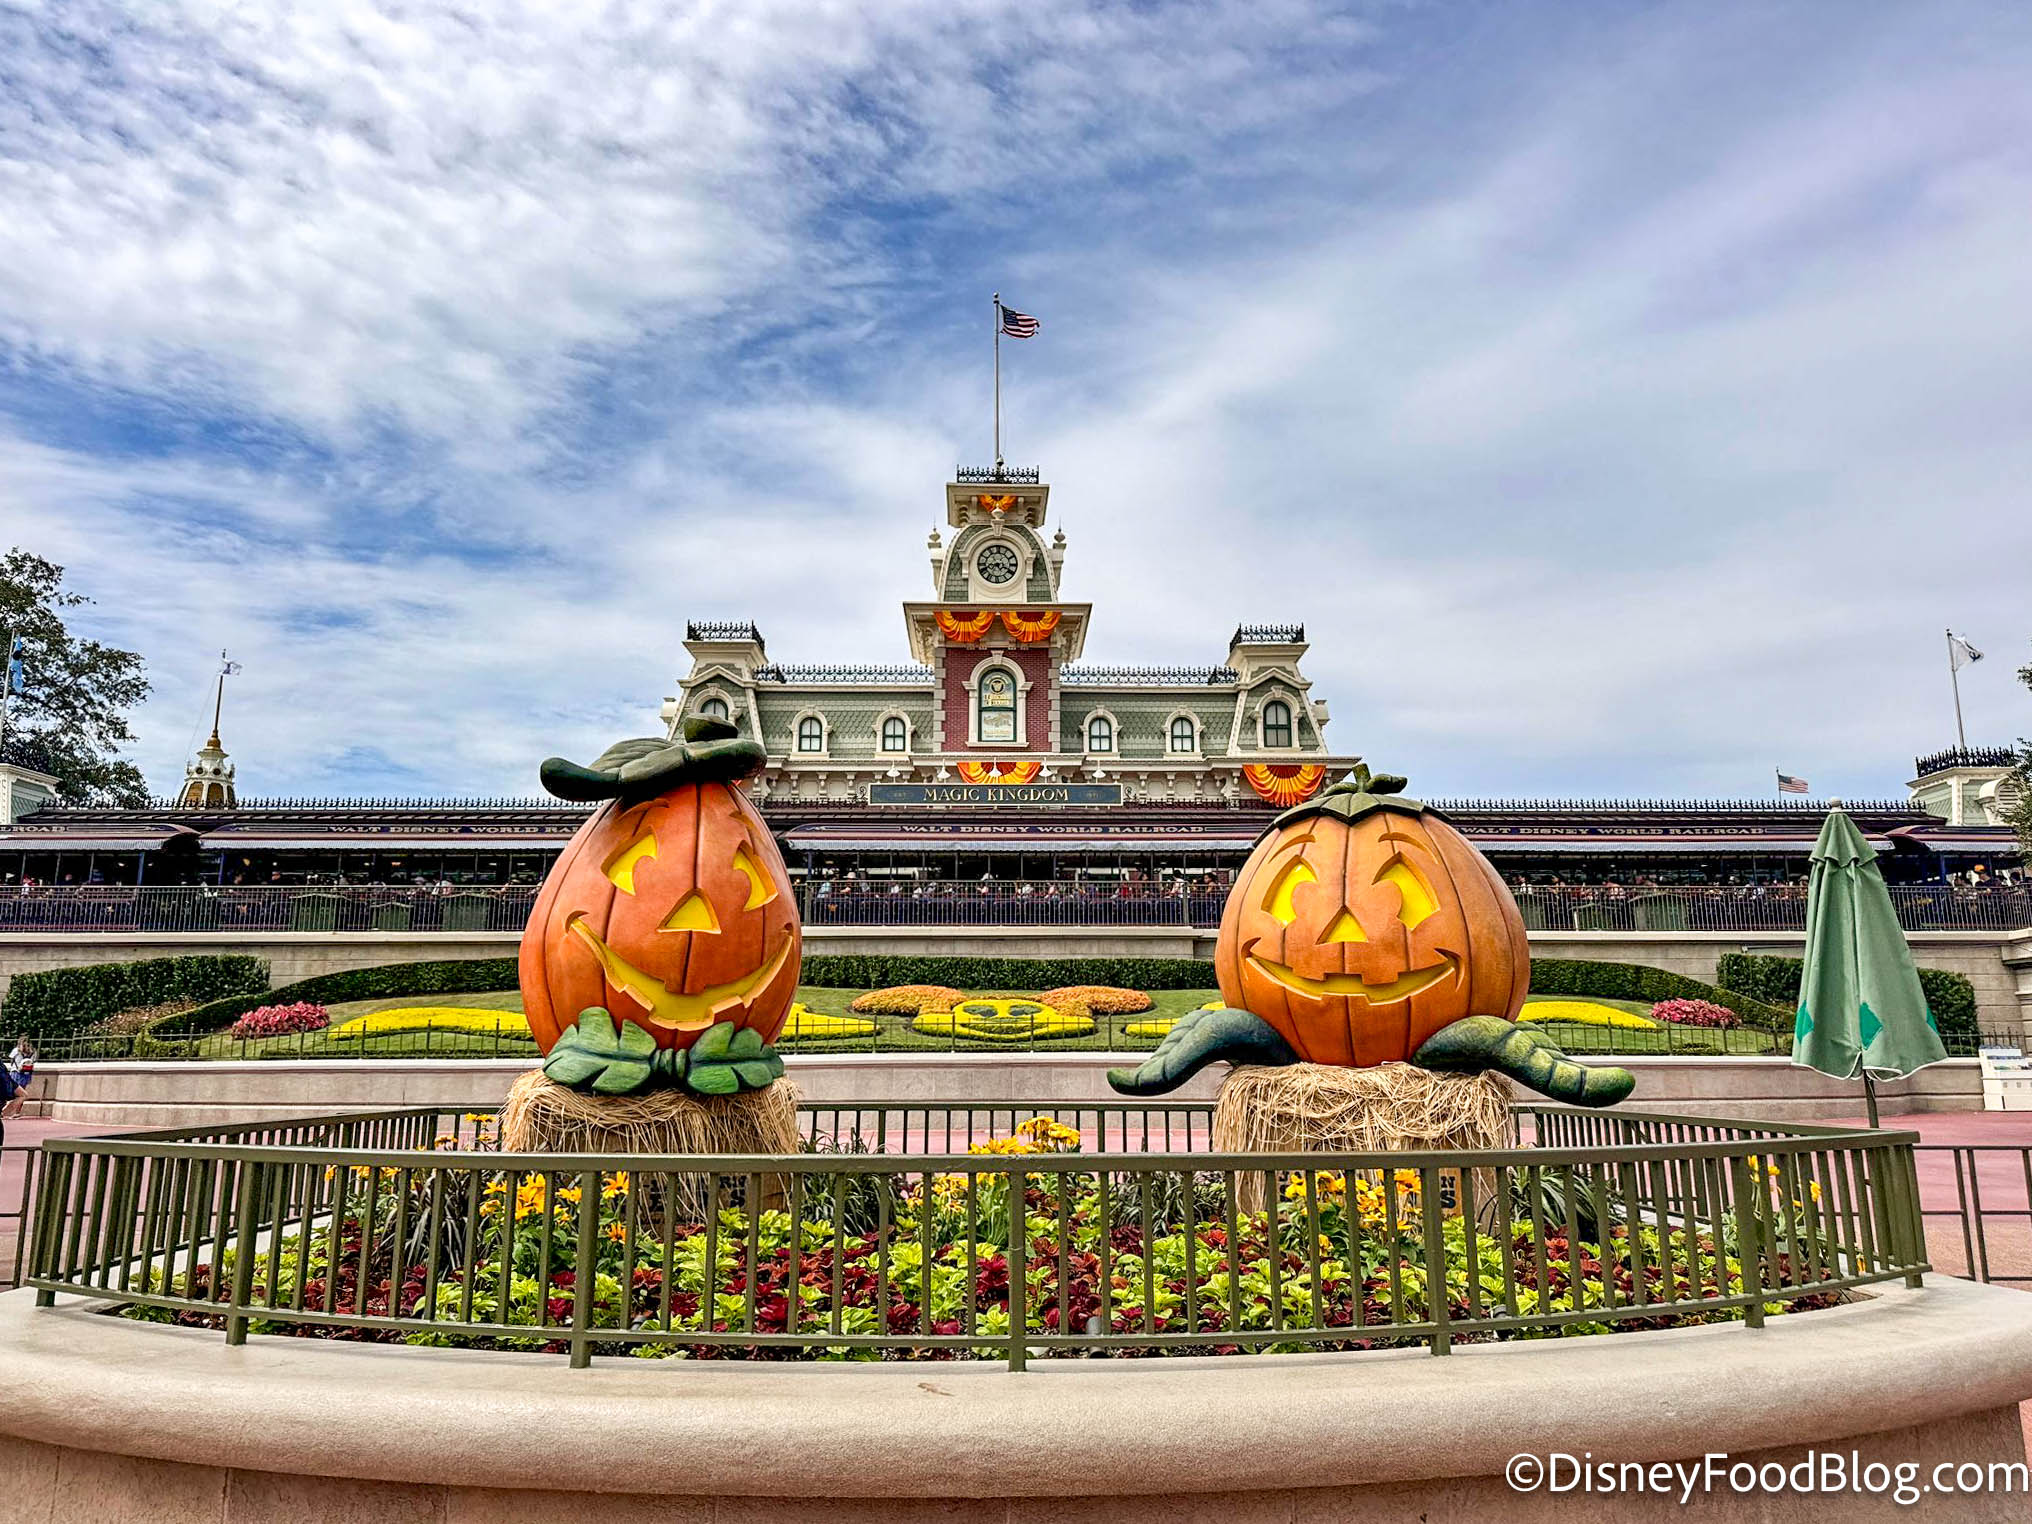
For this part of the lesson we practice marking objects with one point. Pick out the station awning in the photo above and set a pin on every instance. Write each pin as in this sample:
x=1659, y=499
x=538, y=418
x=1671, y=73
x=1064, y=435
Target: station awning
x=339, y=841
x=129, y=839
x=1040, y=839
x=1639, y=846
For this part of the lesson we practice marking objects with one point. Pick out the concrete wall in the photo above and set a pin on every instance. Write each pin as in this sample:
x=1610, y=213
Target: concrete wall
x=1999, y=964
x=118, y=1421
x=188, y=1094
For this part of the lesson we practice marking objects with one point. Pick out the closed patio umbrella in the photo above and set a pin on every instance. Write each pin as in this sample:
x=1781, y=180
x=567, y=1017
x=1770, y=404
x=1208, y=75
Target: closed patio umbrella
x=1861, y=1008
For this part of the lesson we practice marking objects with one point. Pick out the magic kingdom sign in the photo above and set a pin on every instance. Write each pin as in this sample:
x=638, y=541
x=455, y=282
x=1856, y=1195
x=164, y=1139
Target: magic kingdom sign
x=1030, y=794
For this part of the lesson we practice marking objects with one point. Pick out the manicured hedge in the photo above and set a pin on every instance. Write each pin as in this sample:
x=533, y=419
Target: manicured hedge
x=1640, y=981
x=1776, y=980
x=60, y=1001
x=449, y=976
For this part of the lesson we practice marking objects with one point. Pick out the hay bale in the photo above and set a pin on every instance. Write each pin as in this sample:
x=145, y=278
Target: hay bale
x=541, y=1116
x=1319, y=1108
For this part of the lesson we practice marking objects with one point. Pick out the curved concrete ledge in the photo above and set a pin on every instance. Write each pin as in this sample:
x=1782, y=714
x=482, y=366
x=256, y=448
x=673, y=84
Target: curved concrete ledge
x=175, y=1094
x=1936, y=1371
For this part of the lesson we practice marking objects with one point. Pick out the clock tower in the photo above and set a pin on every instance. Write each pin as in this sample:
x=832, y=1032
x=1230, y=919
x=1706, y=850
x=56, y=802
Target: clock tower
x=995, y=631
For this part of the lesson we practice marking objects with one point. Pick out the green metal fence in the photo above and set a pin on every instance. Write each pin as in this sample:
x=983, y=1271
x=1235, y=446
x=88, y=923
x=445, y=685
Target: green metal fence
x=887, y=1238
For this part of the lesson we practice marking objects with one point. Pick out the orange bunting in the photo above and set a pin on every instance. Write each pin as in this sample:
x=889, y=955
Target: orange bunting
x=1030, y=628
x=964, y=629
x=1000, y=772
x=1284, y=784
x=997, y=504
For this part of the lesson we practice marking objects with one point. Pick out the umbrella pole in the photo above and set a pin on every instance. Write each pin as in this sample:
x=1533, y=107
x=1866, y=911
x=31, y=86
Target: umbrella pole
x=1870, y=1097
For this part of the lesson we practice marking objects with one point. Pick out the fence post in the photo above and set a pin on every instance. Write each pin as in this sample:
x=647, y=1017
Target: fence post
x=243, y=1251
x=582, y=1273
x=1435, y=1257
x=1019, y=1260
x=53, y=1186
x=1749, y=1237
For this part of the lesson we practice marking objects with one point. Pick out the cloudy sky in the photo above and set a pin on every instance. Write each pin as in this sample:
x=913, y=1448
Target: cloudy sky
x=1625, y=396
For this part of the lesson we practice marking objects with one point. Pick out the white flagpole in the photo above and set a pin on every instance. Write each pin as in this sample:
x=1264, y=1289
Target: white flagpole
x=998, y=381
x=1954, y=677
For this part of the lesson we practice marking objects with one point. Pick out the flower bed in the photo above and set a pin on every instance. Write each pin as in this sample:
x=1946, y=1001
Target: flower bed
x=436, y=1018
x=1586, y=1013
x=930, y=1255
x=807, y=1025
x=1101, y=999
x=1695, y=1013
x=1002, y=1019
x=281, y=1020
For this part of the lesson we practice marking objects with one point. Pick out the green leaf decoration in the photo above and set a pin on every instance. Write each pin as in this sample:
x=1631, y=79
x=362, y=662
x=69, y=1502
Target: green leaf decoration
x=1477, y=1043
x=728, y=1059
x=617, y=1057
x=1200, y=1038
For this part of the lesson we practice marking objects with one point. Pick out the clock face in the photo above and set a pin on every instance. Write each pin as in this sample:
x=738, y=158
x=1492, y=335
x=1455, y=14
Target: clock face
x=998, y=564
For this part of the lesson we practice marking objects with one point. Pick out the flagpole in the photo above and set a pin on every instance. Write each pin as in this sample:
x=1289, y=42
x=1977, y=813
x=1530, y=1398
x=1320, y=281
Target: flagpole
x=1953, y=676
x=998, y=384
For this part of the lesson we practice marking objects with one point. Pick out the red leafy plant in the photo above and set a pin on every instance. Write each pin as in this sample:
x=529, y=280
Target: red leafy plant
x=1695, y=1013
x=282, y=1020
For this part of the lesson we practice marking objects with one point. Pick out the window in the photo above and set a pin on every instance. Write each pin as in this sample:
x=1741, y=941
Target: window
x=1100, y=733
x=714, y=708
x=811, y=733
x=895, y=734
x=1277, y=723
x=1184, y=734
x=995, y=719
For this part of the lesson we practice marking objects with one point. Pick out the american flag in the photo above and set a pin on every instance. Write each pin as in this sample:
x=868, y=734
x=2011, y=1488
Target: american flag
x=1018, y=325
x=1787, y=784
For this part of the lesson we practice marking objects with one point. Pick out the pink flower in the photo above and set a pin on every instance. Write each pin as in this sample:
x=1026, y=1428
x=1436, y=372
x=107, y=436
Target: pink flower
x=1695, y=1013
x=281, y=1020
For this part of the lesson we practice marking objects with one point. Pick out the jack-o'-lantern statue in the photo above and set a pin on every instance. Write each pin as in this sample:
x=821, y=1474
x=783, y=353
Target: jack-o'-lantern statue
x=665, y=947
x=1365, y=930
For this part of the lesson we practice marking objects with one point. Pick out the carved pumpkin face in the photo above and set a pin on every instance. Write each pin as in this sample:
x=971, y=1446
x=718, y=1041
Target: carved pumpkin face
x=1358, y=938
x=674, y=914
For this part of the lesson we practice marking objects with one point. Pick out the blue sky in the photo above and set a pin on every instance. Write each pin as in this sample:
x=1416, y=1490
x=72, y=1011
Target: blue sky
x=1625, y=396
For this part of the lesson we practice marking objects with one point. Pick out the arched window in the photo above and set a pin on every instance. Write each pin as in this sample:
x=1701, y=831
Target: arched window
x=895, y=734
x=1184, y=734
x=714, y=708
x=995, y=716
x=1100, y=733
x=811, y=733
x=1277, y=723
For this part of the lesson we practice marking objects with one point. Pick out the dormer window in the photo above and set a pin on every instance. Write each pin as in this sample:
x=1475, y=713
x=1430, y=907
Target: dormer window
x=895, y=734
x=1184, y=734
x=714, y=708
x=811, y=733
x=1100, y=733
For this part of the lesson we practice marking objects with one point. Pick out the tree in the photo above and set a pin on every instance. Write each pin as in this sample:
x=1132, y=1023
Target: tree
x=71, y=718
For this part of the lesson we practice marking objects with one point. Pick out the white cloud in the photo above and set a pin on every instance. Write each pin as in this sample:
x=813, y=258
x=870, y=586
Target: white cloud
x=1624, y=411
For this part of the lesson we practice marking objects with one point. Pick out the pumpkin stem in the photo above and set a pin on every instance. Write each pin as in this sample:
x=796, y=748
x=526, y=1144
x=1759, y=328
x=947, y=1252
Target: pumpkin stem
x=711, y=751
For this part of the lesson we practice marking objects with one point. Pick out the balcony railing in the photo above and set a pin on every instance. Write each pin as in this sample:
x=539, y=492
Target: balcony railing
x=948, y=902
